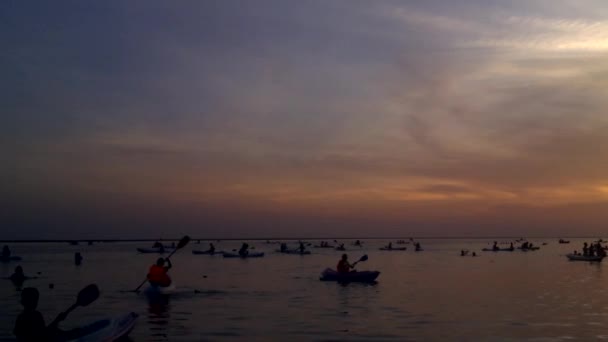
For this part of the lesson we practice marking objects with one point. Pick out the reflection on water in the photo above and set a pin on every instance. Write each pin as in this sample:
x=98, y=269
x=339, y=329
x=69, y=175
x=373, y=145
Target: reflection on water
x=158, y=317
x=432, y=295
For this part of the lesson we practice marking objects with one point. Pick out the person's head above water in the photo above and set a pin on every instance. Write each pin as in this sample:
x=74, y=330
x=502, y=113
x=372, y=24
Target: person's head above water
x=160, y=262
x=344, y=257
x=18, y=270
x=29, y=298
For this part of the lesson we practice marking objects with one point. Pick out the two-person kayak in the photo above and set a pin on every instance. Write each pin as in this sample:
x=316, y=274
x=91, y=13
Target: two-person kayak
x=111, y=329
x=349, y=277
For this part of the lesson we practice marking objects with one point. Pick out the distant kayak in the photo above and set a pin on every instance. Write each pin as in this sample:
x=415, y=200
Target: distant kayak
x=579, y=257
x=393, y=249
x=105, y=330
x=340, y=248
x=293, y=251
x=498, y=250
x=207, y=252
x=11, y=258
x=361, y=277
x=156, y=250
x=529, y=249
x=249, y=255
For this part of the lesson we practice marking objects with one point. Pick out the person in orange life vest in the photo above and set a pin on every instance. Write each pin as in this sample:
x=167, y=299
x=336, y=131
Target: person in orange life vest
x=158, y=273
x=343, y=265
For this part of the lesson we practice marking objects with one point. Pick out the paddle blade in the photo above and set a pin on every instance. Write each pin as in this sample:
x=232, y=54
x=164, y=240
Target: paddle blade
x=184, y=241
x=88, y=295
x=363, y=258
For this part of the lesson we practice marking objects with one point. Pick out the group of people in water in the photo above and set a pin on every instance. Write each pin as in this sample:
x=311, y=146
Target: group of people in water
x=592, y=250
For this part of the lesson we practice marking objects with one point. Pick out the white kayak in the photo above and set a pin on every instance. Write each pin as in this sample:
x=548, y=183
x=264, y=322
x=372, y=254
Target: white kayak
x=393, y=248
x=579, y=257
x=293, y=251
x=249, y=255
x=156, y=250
x=111, y=329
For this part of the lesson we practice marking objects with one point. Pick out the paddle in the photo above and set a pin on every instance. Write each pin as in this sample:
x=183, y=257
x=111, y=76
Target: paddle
x=363, y=258
x=183, y=242
x=85, y=297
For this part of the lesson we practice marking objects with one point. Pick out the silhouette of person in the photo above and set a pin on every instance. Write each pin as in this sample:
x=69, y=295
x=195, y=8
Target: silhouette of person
x=30, y=324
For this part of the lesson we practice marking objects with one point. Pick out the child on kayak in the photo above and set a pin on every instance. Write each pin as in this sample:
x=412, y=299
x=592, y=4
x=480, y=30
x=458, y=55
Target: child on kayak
x=157, y=275
x=343, y=265
x=30, y=324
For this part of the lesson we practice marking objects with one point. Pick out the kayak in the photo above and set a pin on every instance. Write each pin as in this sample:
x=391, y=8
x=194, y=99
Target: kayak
x=393, y=249
x=418, y=250
x=249, y=255
x=156, y=250
x=498, y=250
x=111, y=329
x=294, y=251
x=529, y=248
x=153, y=290
x=360, y=277
x=578, y=257
x=206, y=252
x=11, y=258
x=340, y=248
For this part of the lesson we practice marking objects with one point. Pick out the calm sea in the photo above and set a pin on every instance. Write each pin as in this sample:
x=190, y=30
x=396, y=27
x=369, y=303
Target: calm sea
x=434, y=295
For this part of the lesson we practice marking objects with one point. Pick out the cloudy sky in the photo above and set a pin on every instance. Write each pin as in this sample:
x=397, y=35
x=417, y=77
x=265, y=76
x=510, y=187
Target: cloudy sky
x=303, y=118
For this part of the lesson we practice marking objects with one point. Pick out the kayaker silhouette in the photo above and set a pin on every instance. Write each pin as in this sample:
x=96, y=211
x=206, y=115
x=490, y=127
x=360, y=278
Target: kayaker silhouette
x=244, y=250
x=343, y=265
x=211, y=248
x=157, y=275
x=30, y=324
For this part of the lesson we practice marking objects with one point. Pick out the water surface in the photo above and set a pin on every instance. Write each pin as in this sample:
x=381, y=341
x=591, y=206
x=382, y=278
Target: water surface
x=434, y=295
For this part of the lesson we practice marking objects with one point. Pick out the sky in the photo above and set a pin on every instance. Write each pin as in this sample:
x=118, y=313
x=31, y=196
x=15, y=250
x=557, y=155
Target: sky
x=273, y=118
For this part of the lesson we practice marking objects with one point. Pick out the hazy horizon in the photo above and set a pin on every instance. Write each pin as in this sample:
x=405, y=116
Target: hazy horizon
x=274, y=118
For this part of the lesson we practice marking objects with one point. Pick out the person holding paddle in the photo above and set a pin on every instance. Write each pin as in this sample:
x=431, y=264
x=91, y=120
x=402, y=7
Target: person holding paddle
x=157, y=276
x=343, y=265
x=30, y=325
